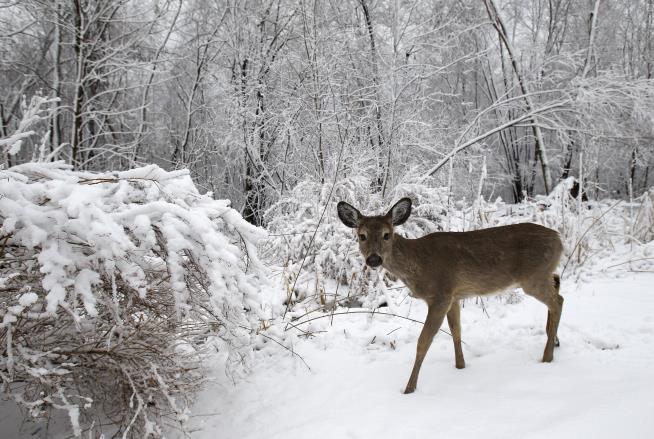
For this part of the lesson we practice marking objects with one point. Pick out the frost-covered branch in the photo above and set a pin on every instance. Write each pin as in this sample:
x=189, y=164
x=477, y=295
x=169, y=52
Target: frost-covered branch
x=38, y=110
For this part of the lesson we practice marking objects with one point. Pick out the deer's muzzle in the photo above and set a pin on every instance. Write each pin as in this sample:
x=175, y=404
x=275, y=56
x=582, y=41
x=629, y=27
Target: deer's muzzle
x=374, y=260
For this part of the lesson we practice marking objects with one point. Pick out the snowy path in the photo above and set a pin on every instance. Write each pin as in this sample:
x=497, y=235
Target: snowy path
x=601, y=383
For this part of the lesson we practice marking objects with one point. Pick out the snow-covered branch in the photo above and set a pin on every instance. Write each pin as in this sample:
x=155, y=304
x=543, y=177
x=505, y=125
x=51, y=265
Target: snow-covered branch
x=119, y=278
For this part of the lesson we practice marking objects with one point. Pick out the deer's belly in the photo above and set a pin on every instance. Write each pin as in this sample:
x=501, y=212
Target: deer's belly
x=483, y=290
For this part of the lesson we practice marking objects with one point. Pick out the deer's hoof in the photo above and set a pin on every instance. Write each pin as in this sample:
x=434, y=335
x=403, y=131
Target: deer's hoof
x=460, y=366
x=409, y=389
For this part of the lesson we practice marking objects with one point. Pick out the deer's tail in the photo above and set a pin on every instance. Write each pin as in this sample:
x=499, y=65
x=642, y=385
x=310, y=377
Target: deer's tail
x=557, y=281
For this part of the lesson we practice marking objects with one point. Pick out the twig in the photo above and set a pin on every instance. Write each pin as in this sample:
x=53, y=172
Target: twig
x=286, y=347
x=483, y=306
x=322, y=215
x=358, y=312
x=289, y=234
x=347, y=252
x=389, y=333
x=628, y=262
x=584, y=234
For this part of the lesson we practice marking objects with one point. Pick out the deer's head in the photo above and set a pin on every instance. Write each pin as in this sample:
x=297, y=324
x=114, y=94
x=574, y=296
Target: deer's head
x=375, y=233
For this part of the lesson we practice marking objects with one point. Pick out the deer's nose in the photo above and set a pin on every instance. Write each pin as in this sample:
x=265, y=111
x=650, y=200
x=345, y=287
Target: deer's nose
x=374, y=260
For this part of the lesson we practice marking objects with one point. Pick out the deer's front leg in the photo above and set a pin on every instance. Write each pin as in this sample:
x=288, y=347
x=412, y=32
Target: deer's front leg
x=435, y=316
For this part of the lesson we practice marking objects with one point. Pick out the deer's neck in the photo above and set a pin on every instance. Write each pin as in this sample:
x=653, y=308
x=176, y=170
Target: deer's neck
x=402, y=262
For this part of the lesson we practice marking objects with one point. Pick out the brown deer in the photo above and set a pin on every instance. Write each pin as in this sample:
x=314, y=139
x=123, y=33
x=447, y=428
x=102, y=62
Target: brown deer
x=444, y=267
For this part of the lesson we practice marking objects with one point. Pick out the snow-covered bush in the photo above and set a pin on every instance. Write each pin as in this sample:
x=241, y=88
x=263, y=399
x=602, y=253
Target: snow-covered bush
x=110, y=286
x=311, y=245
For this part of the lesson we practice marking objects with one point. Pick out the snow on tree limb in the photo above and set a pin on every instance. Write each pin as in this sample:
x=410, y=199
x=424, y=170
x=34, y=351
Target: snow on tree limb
x=120, y=266
x=37, y=111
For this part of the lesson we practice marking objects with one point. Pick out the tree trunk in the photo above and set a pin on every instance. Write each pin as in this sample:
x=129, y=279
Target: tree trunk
x=55, y=133
x=78, y=100
x=632, y=166
x=568, y=160
x=148, y=85
x=382, y=168
x=538, y=136
x=591, y=39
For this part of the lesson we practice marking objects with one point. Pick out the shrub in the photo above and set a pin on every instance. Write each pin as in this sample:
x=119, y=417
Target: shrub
x=110, y=286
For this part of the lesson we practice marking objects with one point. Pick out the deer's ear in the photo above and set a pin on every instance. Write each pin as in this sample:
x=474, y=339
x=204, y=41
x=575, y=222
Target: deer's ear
x=400, y=212
x=348, y=214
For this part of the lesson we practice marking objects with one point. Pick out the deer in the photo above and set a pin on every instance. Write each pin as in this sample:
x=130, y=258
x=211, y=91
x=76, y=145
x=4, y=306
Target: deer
x=442, y=268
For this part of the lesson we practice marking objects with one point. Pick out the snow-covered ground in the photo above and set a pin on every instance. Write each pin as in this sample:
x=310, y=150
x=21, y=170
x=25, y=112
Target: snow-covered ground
x=600, y=385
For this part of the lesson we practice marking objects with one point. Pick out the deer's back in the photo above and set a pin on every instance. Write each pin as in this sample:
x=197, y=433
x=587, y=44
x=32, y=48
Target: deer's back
x=490, y=260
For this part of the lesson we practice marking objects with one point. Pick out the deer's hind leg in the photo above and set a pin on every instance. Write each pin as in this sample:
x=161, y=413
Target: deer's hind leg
x=454, y=322
x=546, y=290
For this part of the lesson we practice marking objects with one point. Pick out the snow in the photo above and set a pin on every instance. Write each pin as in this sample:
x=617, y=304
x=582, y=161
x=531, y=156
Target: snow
x=27, y=299
x=345, y=375
x=342, y=374
x=599, y=385
x=132, y=262
x=44, y=201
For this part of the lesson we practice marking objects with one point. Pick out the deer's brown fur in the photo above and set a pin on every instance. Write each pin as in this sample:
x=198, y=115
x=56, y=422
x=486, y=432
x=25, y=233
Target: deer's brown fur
x=442, y=268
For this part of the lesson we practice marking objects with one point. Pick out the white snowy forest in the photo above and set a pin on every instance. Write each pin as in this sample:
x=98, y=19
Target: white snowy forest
x=171, y=259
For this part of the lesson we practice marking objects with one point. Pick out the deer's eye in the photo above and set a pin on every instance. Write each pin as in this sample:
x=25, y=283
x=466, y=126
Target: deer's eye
x=387, y=236
x=362, y=237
